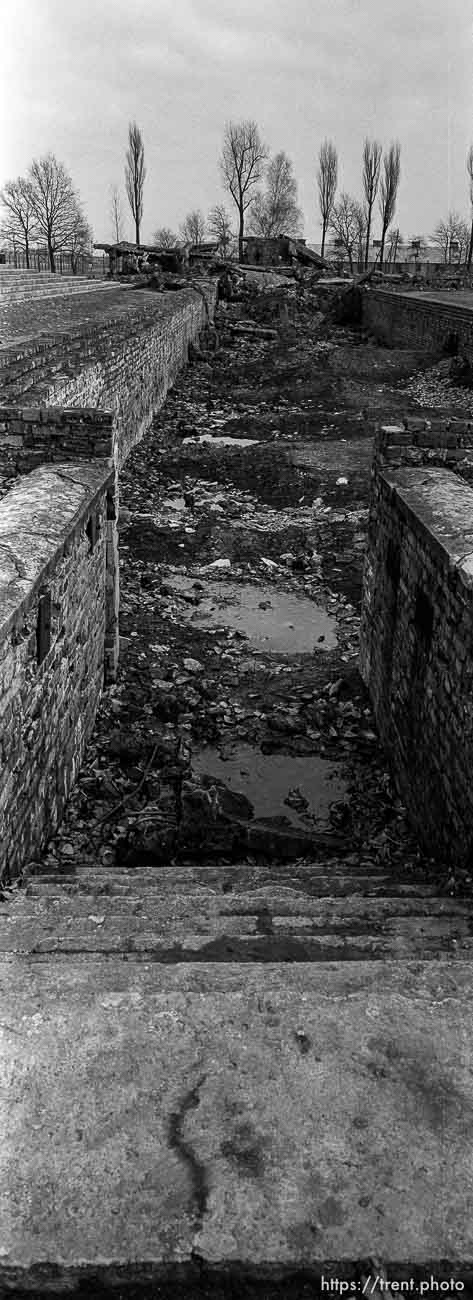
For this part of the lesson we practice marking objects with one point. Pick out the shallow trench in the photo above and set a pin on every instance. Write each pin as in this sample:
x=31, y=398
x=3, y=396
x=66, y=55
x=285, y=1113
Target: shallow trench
x=239, y=731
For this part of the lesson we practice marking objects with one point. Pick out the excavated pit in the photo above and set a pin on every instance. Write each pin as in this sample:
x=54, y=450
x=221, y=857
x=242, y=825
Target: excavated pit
x=242, y=532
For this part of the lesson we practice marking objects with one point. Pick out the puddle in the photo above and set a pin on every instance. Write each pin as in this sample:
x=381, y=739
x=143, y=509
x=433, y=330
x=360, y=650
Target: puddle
x=221, y=440
x=266, y=779
x=271, y=620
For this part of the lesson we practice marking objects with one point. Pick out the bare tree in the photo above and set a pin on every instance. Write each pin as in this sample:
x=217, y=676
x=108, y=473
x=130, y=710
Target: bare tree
x=241, y=163
x=164, y=237
x=135, y=176
x=441, y=237
x=372, y=152
x=388, y=192
x=80, y=240
x=327, y=177
x=220, y=226
x=192, y=230
x=344, y=221
x=116, y=213
x=450, y=236
x=360, y=216
x=275, y=210
x=55, y=203
x=469, y=168
x=19, y=224
x=394, y=240
x=462, y=235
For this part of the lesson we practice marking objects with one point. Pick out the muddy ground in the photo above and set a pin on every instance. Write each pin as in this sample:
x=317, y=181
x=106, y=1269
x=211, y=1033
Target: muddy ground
x=239, y=729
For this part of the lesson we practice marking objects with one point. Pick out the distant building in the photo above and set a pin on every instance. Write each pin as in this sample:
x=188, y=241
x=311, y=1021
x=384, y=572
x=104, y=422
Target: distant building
x=279, y=250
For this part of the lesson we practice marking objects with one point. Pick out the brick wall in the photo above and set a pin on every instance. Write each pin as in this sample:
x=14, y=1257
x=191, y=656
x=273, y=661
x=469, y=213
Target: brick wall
x=123, y=366
x=416, y=640
x=32, y=436
x=66, y=435
x=402, y=320
x=53, y=630
x=446, y=441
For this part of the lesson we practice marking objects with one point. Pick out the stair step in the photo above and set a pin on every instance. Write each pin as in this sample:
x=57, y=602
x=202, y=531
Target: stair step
x=278, y=901
x=242, y=937
x=319, y=888
x=251, y=872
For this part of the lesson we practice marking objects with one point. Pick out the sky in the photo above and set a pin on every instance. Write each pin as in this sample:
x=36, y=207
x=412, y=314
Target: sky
x=75, y=72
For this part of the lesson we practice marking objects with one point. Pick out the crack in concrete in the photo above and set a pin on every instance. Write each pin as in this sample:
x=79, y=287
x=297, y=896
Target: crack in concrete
x=20, y=568
x=463, y=558
x=178, y=1143
x=78, y=482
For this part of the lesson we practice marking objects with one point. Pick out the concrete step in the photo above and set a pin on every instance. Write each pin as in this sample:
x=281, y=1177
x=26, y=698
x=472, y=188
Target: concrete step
x=302, y=873
x=227, y=883
x=264, y=1118
x=181, y=903
x=10, y=284
x=236, y=937
x=9, y=299
x=9, y=277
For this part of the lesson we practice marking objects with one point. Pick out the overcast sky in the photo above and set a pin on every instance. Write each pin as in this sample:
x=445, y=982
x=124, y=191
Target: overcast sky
x=76, y=71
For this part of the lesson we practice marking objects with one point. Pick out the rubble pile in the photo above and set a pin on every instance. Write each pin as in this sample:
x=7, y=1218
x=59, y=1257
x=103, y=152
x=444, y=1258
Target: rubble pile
x=245, y=506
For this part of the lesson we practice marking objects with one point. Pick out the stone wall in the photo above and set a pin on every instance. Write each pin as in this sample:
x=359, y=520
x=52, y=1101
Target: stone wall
x=34, y=436
x=405, y=320
x=53, y=630
x=446, y=441
x=416, y=640
x=82, y=401
x=123, y=366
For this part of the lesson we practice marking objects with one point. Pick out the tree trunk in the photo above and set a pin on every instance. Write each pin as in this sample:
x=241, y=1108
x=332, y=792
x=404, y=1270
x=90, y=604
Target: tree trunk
x=137, y=221
x=324, y=232
x=368, y=233
x=470, y=248
x=241, y=229
x=27, y=253
x=52, y=260
x=381, y=251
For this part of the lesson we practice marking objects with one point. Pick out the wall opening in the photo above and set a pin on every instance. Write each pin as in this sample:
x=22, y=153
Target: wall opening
x=111, y=505
x=92, y=530
x=43, y=627
x=452, y=344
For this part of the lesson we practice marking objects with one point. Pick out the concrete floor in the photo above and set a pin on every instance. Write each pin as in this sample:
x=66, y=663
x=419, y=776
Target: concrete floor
x=283, y=1115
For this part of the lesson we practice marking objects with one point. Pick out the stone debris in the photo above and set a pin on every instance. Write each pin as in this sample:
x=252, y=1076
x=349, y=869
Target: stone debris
x=195, y=520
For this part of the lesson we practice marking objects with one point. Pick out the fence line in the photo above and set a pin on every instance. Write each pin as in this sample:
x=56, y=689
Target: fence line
x=85, y=264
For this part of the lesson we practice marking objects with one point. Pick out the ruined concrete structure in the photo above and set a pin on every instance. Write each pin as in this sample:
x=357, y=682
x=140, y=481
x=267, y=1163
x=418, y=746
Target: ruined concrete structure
x=79, y=386
x=126, y=259
x=235, y=1017
x=417, y=625
x=280, y=250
